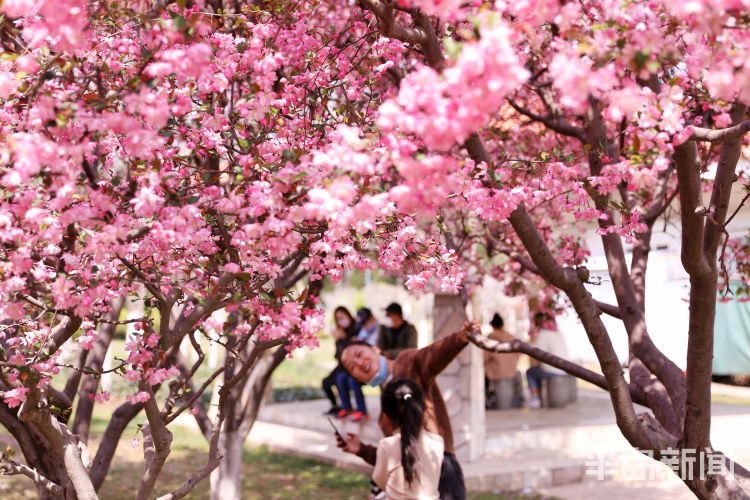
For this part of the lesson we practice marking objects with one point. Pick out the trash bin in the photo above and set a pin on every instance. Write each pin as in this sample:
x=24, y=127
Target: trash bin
x=557, y=391
x=503, y=390
x=573, y=396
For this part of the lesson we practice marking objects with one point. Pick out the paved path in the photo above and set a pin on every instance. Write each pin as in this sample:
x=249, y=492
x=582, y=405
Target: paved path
x=555, y=452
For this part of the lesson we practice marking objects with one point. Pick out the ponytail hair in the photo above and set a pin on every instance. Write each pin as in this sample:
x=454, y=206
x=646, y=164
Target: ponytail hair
x=403, y=402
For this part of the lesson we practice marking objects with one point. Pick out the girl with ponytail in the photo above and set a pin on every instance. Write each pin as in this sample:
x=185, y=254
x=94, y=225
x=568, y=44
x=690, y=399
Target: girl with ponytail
x=408, y=463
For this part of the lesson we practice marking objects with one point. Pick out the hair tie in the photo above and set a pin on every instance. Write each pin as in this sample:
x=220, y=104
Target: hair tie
x=406, y=396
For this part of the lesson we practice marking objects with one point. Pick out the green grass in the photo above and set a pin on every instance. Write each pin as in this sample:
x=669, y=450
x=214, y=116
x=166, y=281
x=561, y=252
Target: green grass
x=726, y=399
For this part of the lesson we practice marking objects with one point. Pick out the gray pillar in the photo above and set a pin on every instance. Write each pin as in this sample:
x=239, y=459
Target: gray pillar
x=462, y=382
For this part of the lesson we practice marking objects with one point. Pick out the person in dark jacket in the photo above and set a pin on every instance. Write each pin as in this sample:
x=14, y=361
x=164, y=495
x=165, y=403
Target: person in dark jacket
x=396, y=334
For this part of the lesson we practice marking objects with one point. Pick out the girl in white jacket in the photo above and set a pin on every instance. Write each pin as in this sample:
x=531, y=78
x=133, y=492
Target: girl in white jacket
x=408, y=462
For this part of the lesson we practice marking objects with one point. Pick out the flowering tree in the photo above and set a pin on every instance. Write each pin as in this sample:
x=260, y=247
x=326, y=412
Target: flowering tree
x=169, y=146
x=514, y=120
x=215, y=153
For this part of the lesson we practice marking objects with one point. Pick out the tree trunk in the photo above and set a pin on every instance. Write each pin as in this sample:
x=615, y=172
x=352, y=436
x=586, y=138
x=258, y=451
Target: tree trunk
x=226, y=479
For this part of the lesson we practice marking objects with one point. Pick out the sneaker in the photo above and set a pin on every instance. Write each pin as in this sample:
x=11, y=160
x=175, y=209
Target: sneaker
x=358, y=416
x=535, y=403
x=343, y=413
x=333, y=411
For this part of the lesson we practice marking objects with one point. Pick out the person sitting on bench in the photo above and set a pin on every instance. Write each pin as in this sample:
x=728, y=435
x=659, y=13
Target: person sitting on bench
x=547, y=339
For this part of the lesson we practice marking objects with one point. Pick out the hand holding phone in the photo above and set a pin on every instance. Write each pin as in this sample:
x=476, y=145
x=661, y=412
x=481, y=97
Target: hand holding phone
x=336, y=430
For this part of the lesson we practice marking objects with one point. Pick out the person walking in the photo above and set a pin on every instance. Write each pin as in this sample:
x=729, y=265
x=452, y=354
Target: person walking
x=396, y=334
x=366, y=364
x=407, y=464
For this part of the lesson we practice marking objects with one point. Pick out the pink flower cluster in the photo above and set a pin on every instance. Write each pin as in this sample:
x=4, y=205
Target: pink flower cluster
x=444, y=109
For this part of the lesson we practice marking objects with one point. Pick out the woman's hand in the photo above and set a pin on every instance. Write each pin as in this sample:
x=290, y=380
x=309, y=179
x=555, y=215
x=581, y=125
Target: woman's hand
x=349, y=444
x=470, y=328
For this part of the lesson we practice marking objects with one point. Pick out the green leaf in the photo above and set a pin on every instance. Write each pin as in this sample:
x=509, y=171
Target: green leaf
x=641, y=57
x=452, y=47
x=179, y=21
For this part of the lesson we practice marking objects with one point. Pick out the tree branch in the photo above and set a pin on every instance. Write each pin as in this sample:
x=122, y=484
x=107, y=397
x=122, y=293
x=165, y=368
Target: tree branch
x=567, y=280
x=723, y=134
x=703, y=286
x=555, y=125
x=388, y=25
x=108, y=444
x=604, y=307
x=65, y=443
x=9, y=467
x=519, y=346
x=688, y=178
x=157, y=436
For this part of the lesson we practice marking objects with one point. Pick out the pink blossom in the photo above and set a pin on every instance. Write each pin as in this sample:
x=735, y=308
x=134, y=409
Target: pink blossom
x=140, y=397
x=15, y=397
x=231, y=267
x=101, y=397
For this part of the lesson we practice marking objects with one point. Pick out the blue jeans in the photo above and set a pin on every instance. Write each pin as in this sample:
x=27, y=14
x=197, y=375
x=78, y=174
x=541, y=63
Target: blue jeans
x=346, y=383
x=536, y=374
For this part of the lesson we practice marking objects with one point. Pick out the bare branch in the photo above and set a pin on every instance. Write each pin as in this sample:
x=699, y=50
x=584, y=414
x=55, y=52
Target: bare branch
x=567, y=280
x=9, y=467
x=604, y=307
x=737, y=210
x=388, y=25
x=90, y=382
x=64, y=443
x=551, y=123
x=60, y=334
x=722, y=188
x=135, y=234
x=156, y=445
x=723, y=134
x=150, y=286
x=42, y=305
x=543, y=356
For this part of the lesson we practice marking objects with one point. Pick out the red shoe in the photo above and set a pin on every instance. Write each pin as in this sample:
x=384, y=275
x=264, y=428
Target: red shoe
x=343, y=413
x=358, y=416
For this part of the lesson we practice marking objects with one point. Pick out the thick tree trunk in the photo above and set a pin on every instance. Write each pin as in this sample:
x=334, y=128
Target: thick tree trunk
x=226, y=479
x=723, y=486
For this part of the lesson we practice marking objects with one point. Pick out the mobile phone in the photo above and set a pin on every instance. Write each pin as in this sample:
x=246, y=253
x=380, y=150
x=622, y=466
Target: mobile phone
x=335, y=429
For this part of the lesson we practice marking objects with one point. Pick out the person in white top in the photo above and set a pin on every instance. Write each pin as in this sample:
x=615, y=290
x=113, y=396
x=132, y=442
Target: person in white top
x=408, y=463
x=548, y=339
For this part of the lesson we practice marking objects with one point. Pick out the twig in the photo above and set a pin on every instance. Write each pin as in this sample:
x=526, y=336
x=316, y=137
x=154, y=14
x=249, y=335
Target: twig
x=10, y=468
x=536, y=353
